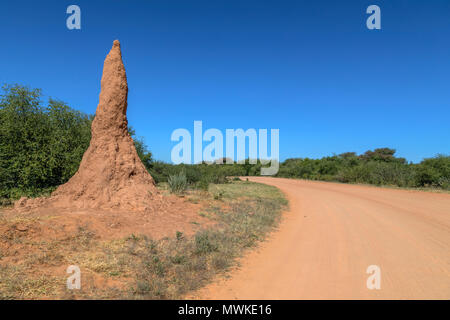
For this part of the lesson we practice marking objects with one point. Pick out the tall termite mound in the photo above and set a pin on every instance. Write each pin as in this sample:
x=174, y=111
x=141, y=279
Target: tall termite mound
x=110, y=175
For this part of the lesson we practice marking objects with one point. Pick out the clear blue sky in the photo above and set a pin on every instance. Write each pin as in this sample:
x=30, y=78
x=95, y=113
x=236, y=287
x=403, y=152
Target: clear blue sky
x=309, y=68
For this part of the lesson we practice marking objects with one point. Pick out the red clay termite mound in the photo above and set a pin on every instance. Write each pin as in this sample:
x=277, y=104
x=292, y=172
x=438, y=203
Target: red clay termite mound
x=110, y=175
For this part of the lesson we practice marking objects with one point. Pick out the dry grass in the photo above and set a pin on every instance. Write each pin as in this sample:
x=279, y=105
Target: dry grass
x=138, y=267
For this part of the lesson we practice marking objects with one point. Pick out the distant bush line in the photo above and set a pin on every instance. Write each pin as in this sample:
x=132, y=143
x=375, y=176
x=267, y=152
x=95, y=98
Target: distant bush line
x=41, y=147
x=379, y=167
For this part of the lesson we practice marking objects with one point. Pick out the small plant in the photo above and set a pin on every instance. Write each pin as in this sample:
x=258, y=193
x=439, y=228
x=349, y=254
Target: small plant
x=218, y=195
x=179, y=235
x=177, y=182
x=133, y=237
x=203, y=184
x=204, y=244
x=178, y=259
x=143, y=287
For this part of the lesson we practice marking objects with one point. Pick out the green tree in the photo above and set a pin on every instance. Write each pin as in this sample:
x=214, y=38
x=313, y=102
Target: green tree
x=40, y=147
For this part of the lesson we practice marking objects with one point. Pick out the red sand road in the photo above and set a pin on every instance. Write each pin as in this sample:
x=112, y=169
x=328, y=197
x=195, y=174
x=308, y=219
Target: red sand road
x=333, y=232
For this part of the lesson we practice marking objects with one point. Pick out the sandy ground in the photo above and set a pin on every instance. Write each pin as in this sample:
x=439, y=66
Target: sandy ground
x=163, y=219
x=333, y=232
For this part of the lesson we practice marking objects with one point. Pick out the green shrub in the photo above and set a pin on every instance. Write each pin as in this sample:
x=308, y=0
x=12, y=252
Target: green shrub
x=433, y=172
x=40, y=146
x=177, y=182
x=218, y=195
x=203, y=184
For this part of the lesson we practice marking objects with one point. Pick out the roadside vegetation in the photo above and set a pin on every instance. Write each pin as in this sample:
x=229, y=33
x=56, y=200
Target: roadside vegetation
x=41, y=146
x=138, y=266
x=378, y=167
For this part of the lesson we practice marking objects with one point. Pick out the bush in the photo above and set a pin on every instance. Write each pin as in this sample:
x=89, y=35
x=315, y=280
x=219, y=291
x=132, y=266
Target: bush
x=40, y=146
x=177, y=182
x=203, y=184
x=433, y=172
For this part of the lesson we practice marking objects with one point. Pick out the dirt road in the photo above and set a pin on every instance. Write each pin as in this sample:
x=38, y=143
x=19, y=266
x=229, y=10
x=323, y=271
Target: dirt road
x=333, y=232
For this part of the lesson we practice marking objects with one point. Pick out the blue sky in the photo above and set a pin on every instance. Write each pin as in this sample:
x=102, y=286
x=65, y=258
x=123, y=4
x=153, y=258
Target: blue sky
x=309, y=68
